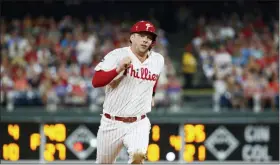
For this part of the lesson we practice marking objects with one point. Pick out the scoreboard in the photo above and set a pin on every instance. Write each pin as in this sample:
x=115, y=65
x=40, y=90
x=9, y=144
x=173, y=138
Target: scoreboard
x=186, y=142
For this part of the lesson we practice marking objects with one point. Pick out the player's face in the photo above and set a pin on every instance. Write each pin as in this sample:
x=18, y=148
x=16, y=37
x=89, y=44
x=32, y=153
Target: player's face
x=142, y=41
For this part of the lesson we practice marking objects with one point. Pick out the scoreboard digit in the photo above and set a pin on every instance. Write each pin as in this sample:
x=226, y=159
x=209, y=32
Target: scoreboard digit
x=55, y=133
x=165, y=143
x=194, y=137
x=19, y=141
x=70, y=141
x=200, y=142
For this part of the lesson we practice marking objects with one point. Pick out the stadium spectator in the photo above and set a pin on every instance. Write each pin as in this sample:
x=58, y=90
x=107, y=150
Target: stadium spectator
x=51, y=62
x=244, y=68
x=85, y=48
x=189, y=67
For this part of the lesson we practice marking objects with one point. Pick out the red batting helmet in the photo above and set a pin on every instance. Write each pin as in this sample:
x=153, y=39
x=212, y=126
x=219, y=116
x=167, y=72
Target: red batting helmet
x=144, y=26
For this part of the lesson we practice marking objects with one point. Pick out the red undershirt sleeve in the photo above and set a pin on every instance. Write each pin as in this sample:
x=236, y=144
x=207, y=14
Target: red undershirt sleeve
x=102, y=78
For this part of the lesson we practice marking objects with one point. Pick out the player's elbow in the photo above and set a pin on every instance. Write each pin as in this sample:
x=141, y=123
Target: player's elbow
x=101, y=78
x=95, y=83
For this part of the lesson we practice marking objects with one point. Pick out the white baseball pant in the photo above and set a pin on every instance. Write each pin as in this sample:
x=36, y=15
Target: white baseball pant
x=113, y=135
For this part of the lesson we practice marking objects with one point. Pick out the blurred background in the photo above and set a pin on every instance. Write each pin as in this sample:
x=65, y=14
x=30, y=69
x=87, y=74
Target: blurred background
x=217, y=99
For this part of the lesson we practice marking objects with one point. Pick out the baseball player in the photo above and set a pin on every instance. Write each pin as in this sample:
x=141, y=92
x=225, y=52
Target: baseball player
x=130, y=76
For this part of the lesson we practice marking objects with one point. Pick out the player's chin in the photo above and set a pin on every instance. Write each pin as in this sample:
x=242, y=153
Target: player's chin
x=143, y=50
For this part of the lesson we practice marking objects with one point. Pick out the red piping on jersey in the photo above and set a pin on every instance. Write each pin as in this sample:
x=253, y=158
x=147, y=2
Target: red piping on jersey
x=102, y=78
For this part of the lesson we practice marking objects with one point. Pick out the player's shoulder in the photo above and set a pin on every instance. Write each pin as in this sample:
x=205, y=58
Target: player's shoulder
x=116, y=53
x=119, y=50
x=157, y=56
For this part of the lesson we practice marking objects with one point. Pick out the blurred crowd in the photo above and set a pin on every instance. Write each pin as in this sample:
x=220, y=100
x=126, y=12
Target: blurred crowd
x=51, y=62
x=240, y=56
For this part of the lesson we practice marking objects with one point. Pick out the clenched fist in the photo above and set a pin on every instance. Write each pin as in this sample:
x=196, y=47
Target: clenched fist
x=124, y=64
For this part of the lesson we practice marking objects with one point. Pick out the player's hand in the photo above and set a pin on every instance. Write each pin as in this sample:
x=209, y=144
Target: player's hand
x=124, y=64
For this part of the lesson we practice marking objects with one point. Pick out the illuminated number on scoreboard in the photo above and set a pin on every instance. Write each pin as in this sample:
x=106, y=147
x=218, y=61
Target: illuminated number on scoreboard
x=13, y=131
x=155, y=133
x=189, y=152
x=176, y=142
x=201, y=153
x=50, y=151
x=11, y=152
x=34, y=141
x=55, y=132
x=61, y=151
x=153, y=152
x=194, y=133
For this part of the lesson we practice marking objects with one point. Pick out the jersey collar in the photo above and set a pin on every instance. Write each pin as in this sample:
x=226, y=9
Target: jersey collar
x=134, y=56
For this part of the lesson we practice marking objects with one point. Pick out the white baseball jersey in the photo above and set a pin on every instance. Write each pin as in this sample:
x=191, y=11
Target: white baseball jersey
x=133, y=96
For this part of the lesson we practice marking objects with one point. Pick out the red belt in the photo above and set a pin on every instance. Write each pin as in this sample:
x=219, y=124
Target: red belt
x=124, y=119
